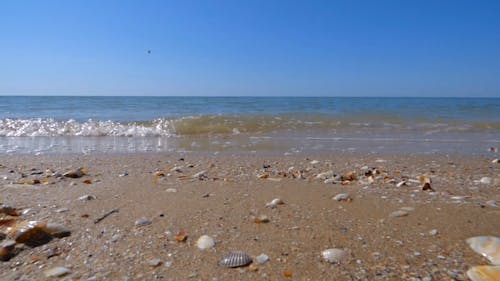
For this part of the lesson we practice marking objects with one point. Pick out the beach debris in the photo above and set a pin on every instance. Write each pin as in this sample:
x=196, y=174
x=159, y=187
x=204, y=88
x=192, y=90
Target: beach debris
x=262, y=258
x=398, y=213
x=205, y=242
x=287, y=274
x=235, y=259
x=262, y=219
x=154, y=262
x=484, y=273
x=99, y=219
x=7, y=249
x=86, y=197
x=343, y=197
x=78, y=173
x=487, y=246
x=274, y=203
x=181, y=236
x=334, y=255
x=142, y=222
x=58, y=271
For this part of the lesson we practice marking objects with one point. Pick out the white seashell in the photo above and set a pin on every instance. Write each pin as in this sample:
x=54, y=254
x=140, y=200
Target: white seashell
x=87, y=197
x=401, y=183
x=325, y=175
x=154, y=262
x=200, y=175
x=235, y=259
x=314, y=162
x=433, y=232
x=274, y=203
x=171, y=190
x=330, y=180
x=142, y=222
x=484, y=273
x=408, y=209
x=495, y=161
x=399, y=213
x=334, y=255
x=487, y=246
x=56, y=272
x=262, y=258
x=342, y=197
x=205, y=242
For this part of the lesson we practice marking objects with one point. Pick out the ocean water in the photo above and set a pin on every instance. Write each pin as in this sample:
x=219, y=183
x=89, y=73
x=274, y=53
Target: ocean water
x=58, y=124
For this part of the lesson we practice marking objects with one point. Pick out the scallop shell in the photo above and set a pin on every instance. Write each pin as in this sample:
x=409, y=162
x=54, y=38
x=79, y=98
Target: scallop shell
x=235, y=259
x=487, y=246
x=484, y=273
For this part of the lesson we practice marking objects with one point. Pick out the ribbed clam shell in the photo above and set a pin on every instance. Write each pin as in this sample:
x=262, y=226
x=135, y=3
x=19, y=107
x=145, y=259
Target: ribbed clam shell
x=235, y=259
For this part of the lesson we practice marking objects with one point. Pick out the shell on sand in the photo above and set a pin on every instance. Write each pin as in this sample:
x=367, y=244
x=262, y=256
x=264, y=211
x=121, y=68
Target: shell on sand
x=334, y=255
x=78, y=173
x=484, y=273
x=487, y=246
x=235, y=259
x=205, y=242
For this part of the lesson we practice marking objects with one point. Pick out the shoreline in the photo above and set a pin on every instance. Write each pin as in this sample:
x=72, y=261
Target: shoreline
x=225, y=201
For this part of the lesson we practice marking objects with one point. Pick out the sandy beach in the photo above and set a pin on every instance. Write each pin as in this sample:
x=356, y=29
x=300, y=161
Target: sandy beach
x=152, y=200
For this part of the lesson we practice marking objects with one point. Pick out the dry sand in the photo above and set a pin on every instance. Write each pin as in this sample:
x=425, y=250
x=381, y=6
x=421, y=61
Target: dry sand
x=224, y=202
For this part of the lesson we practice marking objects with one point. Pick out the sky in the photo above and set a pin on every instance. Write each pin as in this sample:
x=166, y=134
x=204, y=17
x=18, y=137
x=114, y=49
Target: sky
x=250, y=48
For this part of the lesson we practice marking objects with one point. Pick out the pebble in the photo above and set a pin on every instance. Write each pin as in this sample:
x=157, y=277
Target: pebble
x=58, y=271
x=342, y=197
x=262, y=258
x=399, y=213
x=142, y=222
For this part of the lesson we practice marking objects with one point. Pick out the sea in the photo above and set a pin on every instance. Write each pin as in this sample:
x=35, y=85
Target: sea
x=273, y=125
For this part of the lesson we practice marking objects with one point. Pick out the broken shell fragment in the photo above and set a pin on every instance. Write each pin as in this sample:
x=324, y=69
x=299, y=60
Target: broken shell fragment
x=181, y=236
x=484, y=273
x=205, y=242
x=86, y=197
x=262, y=219
x=427, y=186
x=343, y=197
x=142, y=222
x=56, y=230
x=78, y=173
x=6, y=250
x=235, y=259
x=262, y=258
x=487, y=246
x=399, y=213
x=334, y=255
x=56, y=272
x=274, y=203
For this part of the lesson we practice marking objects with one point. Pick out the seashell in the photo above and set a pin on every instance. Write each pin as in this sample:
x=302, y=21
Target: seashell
x=7, y=249
x=401, y=183
x=484, y=273
x=34, y=233
x=154, y=262
x=142, y=222
x=56, y=230
x=8, y=210
x=181, y=236
x=495, y=161
x=427, y=186
x=235, y=259
x=487, y=246
x=205, y=242
x=485, y=180
x=263, y=176
x=87, y=197
x=424, y=179
x=325, y=175
x=343, y=197
x=78, y=173
x=58, y=271
x=334, y=255
x=201, y=175
x=274, y=203
x=262, y=219
x=262, y=258
x=399, y=213
x=349, y=176
x=287, y=274
x=314, y=162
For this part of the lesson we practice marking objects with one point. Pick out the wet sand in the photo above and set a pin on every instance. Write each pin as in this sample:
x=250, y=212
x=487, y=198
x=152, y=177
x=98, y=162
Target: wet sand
x=426, y=244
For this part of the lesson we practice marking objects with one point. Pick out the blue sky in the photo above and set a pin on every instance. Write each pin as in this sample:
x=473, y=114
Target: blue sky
x=258, y=48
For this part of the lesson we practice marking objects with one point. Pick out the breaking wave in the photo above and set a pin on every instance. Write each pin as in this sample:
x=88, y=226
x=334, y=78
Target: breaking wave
x=231, y=125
